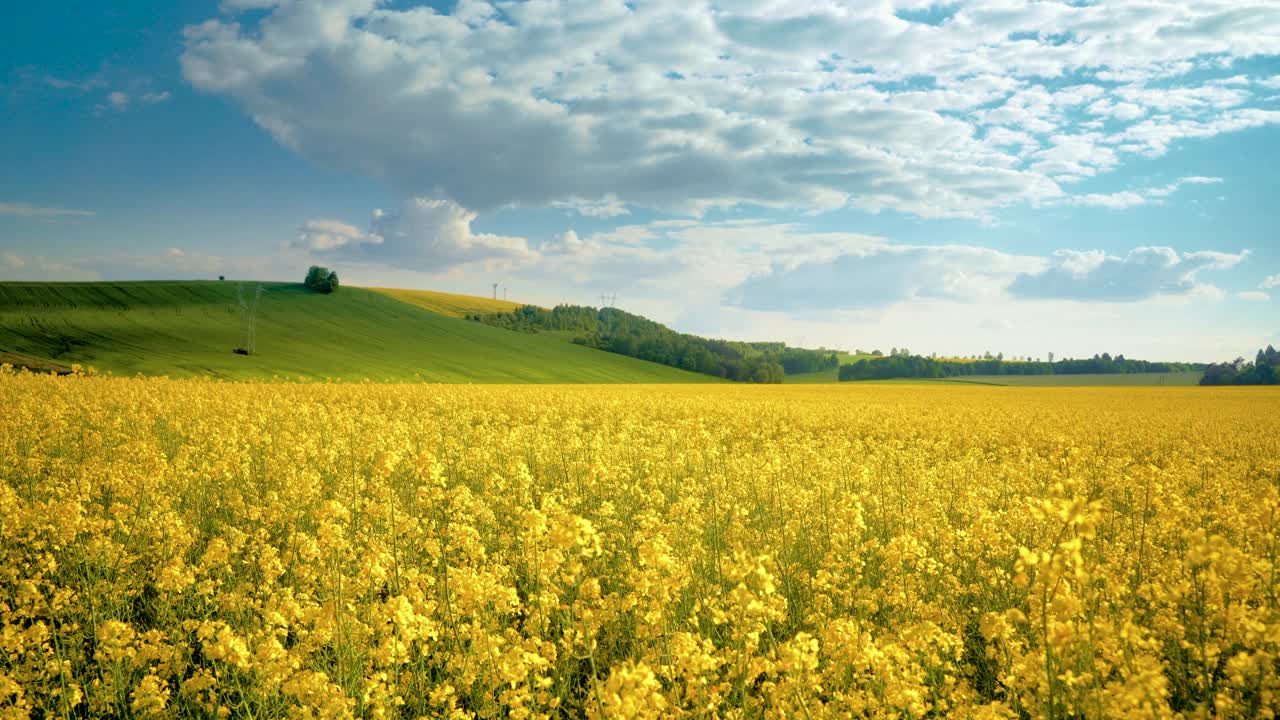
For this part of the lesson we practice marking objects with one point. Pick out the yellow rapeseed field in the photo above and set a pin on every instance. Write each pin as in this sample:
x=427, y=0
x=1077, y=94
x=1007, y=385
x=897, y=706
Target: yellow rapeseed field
x=188, y=548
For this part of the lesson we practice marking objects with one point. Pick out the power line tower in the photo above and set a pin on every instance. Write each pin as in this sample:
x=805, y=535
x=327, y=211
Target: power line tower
x=495, y=291
x=608, y=300
x=249, y=317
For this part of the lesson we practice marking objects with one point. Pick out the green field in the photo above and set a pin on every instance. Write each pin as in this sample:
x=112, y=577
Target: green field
x=1100, y=380
x=825, y=376
x=450, y=304
x=1177, y=379
x=1105, y=379
x=183, y=329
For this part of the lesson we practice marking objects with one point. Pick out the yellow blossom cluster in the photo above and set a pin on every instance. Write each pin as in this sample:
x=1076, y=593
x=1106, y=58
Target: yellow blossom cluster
x=201, y=549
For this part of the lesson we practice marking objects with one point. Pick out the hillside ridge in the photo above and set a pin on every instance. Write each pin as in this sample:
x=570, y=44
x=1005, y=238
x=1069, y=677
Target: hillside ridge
x=191, y=328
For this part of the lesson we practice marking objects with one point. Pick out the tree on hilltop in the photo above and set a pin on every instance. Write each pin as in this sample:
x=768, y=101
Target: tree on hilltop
x=321, y=279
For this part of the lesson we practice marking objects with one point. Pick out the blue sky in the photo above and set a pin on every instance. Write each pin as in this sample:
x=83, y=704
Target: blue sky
x=950, y=177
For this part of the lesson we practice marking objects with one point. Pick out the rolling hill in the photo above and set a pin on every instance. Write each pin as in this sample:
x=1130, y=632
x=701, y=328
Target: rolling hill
x=450, y=304
x=190, y=329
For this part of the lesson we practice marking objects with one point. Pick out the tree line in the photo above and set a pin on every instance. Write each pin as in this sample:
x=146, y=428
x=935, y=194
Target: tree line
x=1264, y=370
x=917, y=366
x=623, y=333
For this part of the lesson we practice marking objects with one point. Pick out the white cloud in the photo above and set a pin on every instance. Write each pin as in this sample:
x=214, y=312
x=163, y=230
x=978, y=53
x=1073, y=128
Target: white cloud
x=156, y=97
x=1253, y=296
x=21, y=209
x=566, y=242
x=1154, y=136
x=1270, y=282
x=40, y=268
x=882, y=275
x=425, y=234
x=327, y=235
x=1143, y=273
x=1176, y=185
x=605, y=207
x=1129, y=198
x=119, y=101
x=688, y=105
x=1117, y=110
x=1211, y=95
x=1119, y=200
x=57, y=83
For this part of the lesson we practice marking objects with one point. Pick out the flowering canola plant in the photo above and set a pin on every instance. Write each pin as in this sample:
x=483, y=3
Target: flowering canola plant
x=201, y=549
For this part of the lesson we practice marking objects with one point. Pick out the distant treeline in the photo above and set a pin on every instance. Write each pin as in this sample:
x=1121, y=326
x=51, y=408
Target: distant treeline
x=621, y=332
x=1264, y=370
x=916, y=366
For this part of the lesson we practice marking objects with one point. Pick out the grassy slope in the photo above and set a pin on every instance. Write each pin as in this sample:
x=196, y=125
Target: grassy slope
x=35, y=364
x=190, y=328
x=449, y=304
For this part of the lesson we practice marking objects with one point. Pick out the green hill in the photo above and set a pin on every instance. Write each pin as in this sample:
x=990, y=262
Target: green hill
x=191, y=328
x=450, y=304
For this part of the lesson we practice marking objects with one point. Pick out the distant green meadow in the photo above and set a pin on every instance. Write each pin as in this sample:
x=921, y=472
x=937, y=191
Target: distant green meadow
x=189, y=329
x=1178, y=379
x=1104, y=379
x=1101, y=380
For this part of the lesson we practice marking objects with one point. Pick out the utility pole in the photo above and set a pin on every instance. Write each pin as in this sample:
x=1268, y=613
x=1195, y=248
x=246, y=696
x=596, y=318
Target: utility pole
x=249, y=317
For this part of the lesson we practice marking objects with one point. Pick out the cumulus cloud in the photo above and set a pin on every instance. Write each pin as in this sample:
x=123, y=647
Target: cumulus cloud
x=1253, y=296
x=689, y=105
x=1143, y=273
x=328, y=235
x=1270, y=282
x=119, y=101
x=424, y=234
x=21, y=209
x=883, y=275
